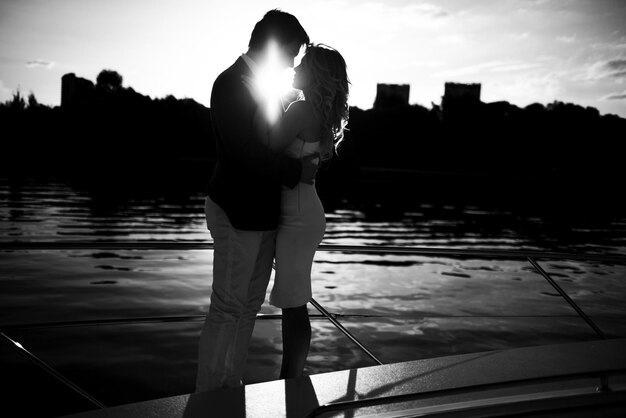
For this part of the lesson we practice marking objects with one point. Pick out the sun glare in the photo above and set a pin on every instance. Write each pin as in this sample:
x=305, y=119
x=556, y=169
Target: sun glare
x=273, y=82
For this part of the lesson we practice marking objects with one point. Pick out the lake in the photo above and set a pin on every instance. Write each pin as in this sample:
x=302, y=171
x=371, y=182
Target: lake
x=401, y=307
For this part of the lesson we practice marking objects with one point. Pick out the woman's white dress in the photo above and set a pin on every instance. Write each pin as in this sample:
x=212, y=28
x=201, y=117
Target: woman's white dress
x=300, y=231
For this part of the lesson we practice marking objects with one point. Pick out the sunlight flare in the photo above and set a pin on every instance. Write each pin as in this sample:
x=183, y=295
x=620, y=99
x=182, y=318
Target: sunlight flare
x=273, y=82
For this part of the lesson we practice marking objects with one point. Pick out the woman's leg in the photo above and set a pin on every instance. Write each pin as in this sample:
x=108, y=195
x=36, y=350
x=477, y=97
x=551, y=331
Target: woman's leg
x=296, y=341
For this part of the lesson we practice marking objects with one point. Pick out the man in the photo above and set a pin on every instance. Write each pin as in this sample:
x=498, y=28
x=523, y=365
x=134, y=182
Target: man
x=243, y=205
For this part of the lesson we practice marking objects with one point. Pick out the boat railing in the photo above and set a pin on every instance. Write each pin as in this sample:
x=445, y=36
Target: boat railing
x=602, y=393
x=530, y=256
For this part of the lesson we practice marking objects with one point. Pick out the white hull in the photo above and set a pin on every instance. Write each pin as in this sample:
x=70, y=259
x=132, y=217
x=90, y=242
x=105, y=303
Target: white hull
x=555, y=379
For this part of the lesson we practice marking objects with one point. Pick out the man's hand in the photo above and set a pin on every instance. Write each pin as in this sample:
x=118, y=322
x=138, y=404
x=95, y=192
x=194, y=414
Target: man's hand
x=310, y=165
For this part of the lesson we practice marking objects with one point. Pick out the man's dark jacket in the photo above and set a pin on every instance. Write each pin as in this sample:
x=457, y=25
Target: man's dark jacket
x=246, y=182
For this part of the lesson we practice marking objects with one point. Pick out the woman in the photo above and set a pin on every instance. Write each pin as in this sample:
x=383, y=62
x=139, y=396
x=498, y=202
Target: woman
x=312, y=125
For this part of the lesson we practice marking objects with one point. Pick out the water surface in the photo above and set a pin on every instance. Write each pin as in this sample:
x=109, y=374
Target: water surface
x=412, y=306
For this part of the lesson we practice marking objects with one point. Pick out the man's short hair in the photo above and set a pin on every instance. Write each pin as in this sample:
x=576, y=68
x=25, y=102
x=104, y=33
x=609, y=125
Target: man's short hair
x=280, y=26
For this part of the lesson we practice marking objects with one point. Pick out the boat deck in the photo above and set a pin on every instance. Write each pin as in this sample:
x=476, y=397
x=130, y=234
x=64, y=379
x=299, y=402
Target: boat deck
x=562, y=380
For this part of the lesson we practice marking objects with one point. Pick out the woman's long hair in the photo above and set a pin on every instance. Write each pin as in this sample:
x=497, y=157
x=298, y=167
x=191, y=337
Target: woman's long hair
x=327, y=89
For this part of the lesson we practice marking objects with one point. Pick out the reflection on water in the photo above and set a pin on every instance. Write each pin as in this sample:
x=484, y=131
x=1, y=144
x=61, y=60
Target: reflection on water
x=415, y=306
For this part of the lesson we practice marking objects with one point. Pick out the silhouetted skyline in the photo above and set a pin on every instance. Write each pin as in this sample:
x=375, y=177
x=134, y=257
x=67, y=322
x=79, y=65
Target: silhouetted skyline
x=521, y=51
x=110, y=124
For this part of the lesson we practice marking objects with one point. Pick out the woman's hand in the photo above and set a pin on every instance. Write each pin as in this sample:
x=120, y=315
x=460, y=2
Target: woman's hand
x=268, y=101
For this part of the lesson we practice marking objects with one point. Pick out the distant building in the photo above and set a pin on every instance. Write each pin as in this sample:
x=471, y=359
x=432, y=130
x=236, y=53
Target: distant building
x=459, y=98
x=455, y=91
x=75, y=91
x=391, y=95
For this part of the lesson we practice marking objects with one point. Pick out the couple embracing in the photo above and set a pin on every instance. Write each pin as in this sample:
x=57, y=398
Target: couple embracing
x=262, y=207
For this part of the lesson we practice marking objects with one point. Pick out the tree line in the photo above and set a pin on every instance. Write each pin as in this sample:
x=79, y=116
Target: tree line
x=120, y=133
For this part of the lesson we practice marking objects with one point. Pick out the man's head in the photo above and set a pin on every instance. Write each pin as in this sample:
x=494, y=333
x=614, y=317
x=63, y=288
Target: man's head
x=280, y=28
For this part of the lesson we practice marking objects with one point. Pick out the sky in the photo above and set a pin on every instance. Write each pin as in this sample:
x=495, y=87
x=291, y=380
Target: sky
x=521, y=51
